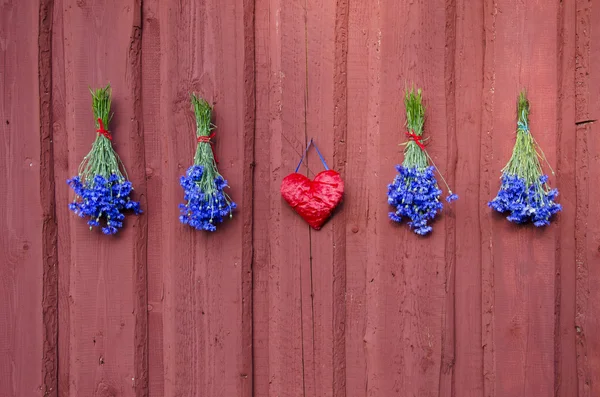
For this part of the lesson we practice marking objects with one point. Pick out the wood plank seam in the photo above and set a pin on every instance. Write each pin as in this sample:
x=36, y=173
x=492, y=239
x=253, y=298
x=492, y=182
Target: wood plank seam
x=48, y=201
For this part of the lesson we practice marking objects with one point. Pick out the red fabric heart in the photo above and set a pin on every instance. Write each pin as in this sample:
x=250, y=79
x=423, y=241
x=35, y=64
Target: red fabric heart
x=313, y=200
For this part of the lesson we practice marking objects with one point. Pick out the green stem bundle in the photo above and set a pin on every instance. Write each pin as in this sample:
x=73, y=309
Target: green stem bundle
x=524, y=192
x=525, y=159
x=102, y=159
x=204, y=155
x=414, y=156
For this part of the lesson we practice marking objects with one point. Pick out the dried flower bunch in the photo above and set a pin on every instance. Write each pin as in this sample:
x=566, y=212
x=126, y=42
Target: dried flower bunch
x=414, y=192
x=102, y=189
x=524, y=192
x=206, y=201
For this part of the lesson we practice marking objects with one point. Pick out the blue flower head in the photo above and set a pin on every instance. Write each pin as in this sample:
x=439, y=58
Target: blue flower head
x=206, y=202
x=415, y=195
x=452, y=197
x=526, y=202
x=103, y=201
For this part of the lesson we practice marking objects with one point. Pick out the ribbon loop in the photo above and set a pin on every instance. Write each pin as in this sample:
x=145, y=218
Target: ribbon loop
x=208, y=139
x=417, y=138
x=311, y=143
x=101, y=131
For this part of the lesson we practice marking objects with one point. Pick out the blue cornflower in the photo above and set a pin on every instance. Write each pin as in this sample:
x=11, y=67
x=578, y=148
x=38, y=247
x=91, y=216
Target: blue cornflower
x=524, y=192
x=206, y=202
x=533, y=202
x=103, y=201
x=452, y=197
x=101, y=191
x=415, y=194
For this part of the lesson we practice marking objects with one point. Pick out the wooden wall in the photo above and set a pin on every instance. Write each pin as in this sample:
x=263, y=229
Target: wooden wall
x=266, y=306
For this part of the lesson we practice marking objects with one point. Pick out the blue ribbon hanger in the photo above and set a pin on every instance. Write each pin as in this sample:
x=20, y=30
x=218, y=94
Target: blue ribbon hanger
x=311, y=143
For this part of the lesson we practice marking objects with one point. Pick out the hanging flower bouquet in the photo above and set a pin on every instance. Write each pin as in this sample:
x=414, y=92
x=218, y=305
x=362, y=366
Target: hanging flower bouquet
x=525, y=192
x=101, y=190
x=414, y=192
x=206, y=201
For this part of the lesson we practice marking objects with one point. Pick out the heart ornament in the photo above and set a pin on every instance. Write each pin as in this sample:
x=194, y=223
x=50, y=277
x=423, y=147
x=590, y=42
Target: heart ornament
x=314, y=200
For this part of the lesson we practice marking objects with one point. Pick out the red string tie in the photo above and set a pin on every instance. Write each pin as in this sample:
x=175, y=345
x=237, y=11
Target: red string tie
x=102, y=131
x=417, y=138
x=208, y=139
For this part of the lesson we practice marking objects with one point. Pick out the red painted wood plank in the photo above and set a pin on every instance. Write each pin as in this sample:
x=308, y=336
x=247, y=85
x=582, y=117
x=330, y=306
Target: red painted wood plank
x=48, y=201
x=283, y=340
x=22, y=333
x=340, y=156
x=171, y=287
x=523, y=258
x=587, y=322
x=157, y=217
x=582, y=113
x=449, y=317
x=362, y=192
x=63, y=215
x=60, y=140
x=199, y=295
x=488, y=175
x=468, y=96
x=565, y=350
x=106, y=324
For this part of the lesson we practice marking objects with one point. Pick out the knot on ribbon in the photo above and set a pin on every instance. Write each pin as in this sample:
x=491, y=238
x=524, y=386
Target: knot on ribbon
x=208, y=139
x=523, y=126
x=101, y=131
x=417, y=138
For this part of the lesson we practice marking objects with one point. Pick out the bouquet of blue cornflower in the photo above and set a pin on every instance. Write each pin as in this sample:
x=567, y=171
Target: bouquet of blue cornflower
x=101, y=190
x=415, y=192
x=524, y=191
x=206, y=201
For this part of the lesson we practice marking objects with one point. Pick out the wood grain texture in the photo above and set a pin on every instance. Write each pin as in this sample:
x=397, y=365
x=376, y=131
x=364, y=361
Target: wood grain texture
x=487, y=176
x=582, y=113
x=588, y=247
x=48, y=202
x=363, y=90
x=151, y=105
x=63, y=215
x=565, y=356
x=283, y=332
x=339, y=224
x=266, y=306
x=469, y=79
x=26, y=350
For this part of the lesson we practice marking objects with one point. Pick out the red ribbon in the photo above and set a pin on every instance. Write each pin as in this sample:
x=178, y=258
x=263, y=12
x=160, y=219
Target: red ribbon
x=102, y=131
x=417, y=138
x=208, y=139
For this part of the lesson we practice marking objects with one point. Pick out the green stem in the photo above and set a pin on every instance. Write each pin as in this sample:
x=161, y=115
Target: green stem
x=414, y=156
x=204, y=153
x=101, y=159
x=525, y=159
